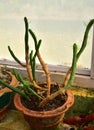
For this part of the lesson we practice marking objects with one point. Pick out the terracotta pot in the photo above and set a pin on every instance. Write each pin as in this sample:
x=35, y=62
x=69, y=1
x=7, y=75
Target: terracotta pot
x=5, y=96
x=14, y=82
x=44, y=119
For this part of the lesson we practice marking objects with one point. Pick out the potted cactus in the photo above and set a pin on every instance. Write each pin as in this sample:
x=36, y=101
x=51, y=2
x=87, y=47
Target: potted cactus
x=43, y=104
x=5, y=94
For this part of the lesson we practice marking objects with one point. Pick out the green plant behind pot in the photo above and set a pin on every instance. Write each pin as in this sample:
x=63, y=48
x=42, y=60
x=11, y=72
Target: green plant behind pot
x=4, y=100
x=32, y=87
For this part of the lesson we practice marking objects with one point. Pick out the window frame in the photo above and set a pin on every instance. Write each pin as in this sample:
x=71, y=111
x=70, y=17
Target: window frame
x=92, y=58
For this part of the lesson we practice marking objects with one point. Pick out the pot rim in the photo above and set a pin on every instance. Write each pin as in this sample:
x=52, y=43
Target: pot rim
x=58, y=111
x=14, y=82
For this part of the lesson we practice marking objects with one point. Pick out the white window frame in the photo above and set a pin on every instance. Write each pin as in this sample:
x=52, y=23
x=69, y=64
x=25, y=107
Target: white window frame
x=83, y=78
x=92, y=60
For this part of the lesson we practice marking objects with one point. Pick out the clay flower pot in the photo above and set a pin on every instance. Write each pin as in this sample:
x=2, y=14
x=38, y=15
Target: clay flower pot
x=39, y=120
x=5, y=96
x=14, y=82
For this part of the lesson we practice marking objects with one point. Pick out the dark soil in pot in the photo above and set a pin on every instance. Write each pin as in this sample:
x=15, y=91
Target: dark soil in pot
x=50, y=105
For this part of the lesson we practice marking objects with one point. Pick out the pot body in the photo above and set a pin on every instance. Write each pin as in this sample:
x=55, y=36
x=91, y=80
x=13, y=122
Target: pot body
x=39, y=120
x=5, y=96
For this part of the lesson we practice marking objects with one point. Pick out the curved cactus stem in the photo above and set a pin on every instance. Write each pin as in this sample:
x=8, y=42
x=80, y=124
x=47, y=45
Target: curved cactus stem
x=73, y=68
x=44, y=66
x=15, y=58
x=84, y=43
x=26, y=36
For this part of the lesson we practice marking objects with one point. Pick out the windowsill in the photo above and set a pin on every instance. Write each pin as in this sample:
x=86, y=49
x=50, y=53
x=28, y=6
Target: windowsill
x=82, y=77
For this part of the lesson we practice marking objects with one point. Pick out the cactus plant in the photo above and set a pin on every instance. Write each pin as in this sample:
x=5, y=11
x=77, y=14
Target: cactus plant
x=32, y=87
